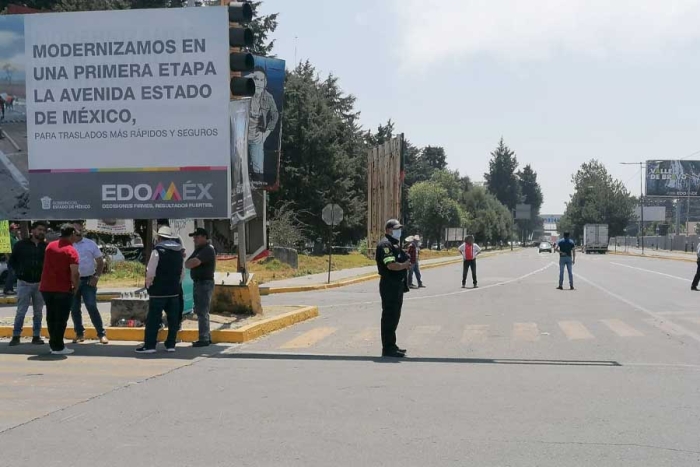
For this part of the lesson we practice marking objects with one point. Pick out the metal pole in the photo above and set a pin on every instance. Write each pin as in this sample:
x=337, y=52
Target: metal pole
x=330, y=246
x=641, y=201
x=242, y=253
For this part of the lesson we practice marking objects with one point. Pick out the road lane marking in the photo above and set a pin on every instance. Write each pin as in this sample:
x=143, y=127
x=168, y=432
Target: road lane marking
x=666, y=326
x=421, y=335
x=447, y=294
x=621, y=328
x=309, y=338
x=475, y=333
x=528, y=332
x=575, y=330
x=367, y=335
x=14, y=171
x=679, y=330
x=652, y=272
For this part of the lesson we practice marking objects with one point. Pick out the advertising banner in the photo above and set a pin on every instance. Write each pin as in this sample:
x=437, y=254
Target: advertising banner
x=110, y=226
x=242, y=207
x=265, y=128
x=124, y=114
x=673, y=178
x=5, y=242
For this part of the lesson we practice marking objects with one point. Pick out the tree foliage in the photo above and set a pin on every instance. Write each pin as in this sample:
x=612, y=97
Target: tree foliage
x=501, y=179
x=597, y=199
x=263, y=26
x=531, y=193
x=433, y=210
x=491, y=221
x=323, y=154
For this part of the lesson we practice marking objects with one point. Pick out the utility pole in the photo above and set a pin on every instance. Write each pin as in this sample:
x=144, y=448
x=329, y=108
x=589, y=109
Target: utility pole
x=641, y=199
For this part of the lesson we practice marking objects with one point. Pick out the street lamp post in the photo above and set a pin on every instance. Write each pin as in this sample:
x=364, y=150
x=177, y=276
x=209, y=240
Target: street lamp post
x=641, y=198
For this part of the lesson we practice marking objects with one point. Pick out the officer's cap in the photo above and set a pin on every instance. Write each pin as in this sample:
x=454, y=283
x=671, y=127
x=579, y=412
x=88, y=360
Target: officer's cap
x=392, y=224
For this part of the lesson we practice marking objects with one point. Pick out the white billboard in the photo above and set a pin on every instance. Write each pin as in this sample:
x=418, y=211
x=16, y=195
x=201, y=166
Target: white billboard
x=127, y=113
x=651, y=213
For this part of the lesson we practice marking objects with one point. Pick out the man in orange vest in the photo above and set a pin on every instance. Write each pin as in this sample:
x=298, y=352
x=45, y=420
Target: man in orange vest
x=469, y=251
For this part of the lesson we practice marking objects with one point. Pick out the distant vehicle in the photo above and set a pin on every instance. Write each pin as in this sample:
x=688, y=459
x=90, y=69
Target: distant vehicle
x=595, y=238
x=3, y=272
x=114, y=253
x=136, y=241
x=545, y=246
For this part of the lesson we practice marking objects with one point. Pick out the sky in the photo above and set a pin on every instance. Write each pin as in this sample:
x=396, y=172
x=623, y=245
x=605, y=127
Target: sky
x=562, y=81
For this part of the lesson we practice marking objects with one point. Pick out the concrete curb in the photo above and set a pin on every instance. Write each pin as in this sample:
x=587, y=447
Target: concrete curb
x=229, y=336
x=360, y=279
x=637, y=255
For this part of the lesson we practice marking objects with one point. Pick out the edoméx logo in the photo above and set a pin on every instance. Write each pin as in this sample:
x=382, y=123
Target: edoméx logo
x=145, y=192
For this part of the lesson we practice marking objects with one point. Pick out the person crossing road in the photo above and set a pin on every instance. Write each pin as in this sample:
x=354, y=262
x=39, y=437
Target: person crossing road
x=567, y=258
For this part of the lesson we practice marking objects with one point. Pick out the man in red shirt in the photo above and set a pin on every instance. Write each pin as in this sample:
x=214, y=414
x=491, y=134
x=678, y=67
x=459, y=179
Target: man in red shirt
x=60, y=278
x=469, y=251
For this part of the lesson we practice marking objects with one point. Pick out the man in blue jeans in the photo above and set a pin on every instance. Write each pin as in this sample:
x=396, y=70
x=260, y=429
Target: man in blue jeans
x=27, y=260
x=567, y=258
x=163, y=276
x=90, y=267
x=202, y=266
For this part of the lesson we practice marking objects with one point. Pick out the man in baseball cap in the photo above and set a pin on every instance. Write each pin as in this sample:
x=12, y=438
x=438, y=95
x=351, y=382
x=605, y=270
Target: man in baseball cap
x=202, y=265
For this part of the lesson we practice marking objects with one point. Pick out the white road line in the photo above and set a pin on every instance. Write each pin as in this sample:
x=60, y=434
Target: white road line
x=14, y=171
x=621, y=328
x=475, y=333
x=421, y=335
x=659, y=318
x=526, y=332
x=459, y=292
x=575, y=330
x=652, y=272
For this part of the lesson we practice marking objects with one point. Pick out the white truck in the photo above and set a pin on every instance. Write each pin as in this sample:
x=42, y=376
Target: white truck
x=595, y=238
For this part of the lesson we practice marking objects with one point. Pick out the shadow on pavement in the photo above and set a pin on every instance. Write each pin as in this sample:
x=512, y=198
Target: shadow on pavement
x=121, y=350
x=408, y=359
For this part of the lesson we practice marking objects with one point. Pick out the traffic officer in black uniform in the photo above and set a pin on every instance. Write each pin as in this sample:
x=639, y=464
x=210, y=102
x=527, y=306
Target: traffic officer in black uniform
x=393, y=265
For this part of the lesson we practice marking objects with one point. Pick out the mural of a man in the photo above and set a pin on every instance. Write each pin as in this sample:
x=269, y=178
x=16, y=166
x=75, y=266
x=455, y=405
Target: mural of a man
x=263, y=120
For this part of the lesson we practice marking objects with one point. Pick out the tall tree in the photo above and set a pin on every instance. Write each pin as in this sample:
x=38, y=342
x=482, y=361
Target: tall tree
x=597, y=199
x=263, y=26
x=433, y=210
x=323, y=154
x=490, y=221
x=531, y=193
x=501, y=180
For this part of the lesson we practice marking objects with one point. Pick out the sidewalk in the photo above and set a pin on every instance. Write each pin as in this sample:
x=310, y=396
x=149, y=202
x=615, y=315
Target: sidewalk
x=690, y=256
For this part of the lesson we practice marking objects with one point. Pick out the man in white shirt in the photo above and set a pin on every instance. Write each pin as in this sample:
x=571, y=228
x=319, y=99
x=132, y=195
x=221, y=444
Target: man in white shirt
x=469, y=251
x=90, y=267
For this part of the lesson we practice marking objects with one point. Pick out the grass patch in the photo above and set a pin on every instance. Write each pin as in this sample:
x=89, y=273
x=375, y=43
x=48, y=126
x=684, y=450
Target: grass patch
x=125, y=274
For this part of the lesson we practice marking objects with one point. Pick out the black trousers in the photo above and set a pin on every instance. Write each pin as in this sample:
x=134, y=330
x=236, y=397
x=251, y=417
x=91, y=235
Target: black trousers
x=469, y=263
x=696, y=279
x=58, y=305
x=391, y=292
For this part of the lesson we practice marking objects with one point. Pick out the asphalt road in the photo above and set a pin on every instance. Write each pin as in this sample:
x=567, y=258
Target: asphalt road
x=514, y=373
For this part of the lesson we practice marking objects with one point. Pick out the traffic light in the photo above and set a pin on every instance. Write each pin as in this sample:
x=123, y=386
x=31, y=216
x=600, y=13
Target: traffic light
x=240, y=38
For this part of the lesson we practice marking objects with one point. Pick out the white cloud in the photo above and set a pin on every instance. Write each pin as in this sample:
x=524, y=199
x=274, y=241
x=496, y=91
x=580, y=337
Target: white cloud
x=9, y=38
x=524, y=30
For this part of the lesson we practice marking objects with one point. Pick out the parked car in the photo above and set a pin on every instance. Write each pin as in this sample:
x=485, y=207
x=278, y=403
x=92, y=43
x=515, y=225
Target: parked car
x=114, y=253
x=545, y=246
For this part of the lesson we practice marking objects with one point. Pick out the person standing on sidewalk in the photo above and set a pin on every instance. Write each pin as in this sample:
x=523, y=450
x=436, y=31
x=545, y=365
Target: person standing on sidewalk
x=202, y=265
x=9, y=286
x=163, y=276
x=469, y=251
x=567, y=258
x=392, y=264
x=91, y=266
x=414, y=255
x=60, y=280
x=696, y=279
x=27, y=260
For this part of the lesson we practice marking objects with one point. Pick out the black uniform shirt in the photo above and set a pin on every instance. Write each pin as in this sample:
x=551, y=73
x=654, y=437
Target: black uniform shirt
x=27, y=260
x=388, y=251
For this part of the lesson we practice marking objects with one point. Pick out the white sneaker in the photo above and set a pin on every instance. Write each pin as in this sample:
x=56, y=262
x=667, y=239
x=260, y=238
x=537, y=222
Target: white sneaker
x=65, y=351
x=170, y=349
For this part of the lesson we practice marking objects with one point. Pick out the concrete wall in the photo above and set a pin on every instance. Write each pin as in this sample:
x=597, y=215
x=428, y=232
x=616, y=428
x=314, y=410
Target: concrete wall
x=668, y=242
x=286, y=255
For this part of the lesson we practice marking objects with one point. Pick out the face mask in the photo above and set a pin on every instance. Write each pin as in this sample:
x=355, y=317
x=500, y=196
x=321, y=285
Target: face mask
x=396, y=234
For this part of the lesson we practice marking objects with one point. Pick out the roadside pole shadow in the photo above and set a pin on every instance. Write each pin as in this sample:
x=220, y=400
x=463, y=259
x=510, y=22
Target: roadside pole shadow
x=408, y=359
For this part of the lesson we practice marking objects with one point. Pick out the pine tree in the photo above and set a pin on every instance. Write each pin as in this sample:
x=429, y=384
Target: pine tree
x=501, y=179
